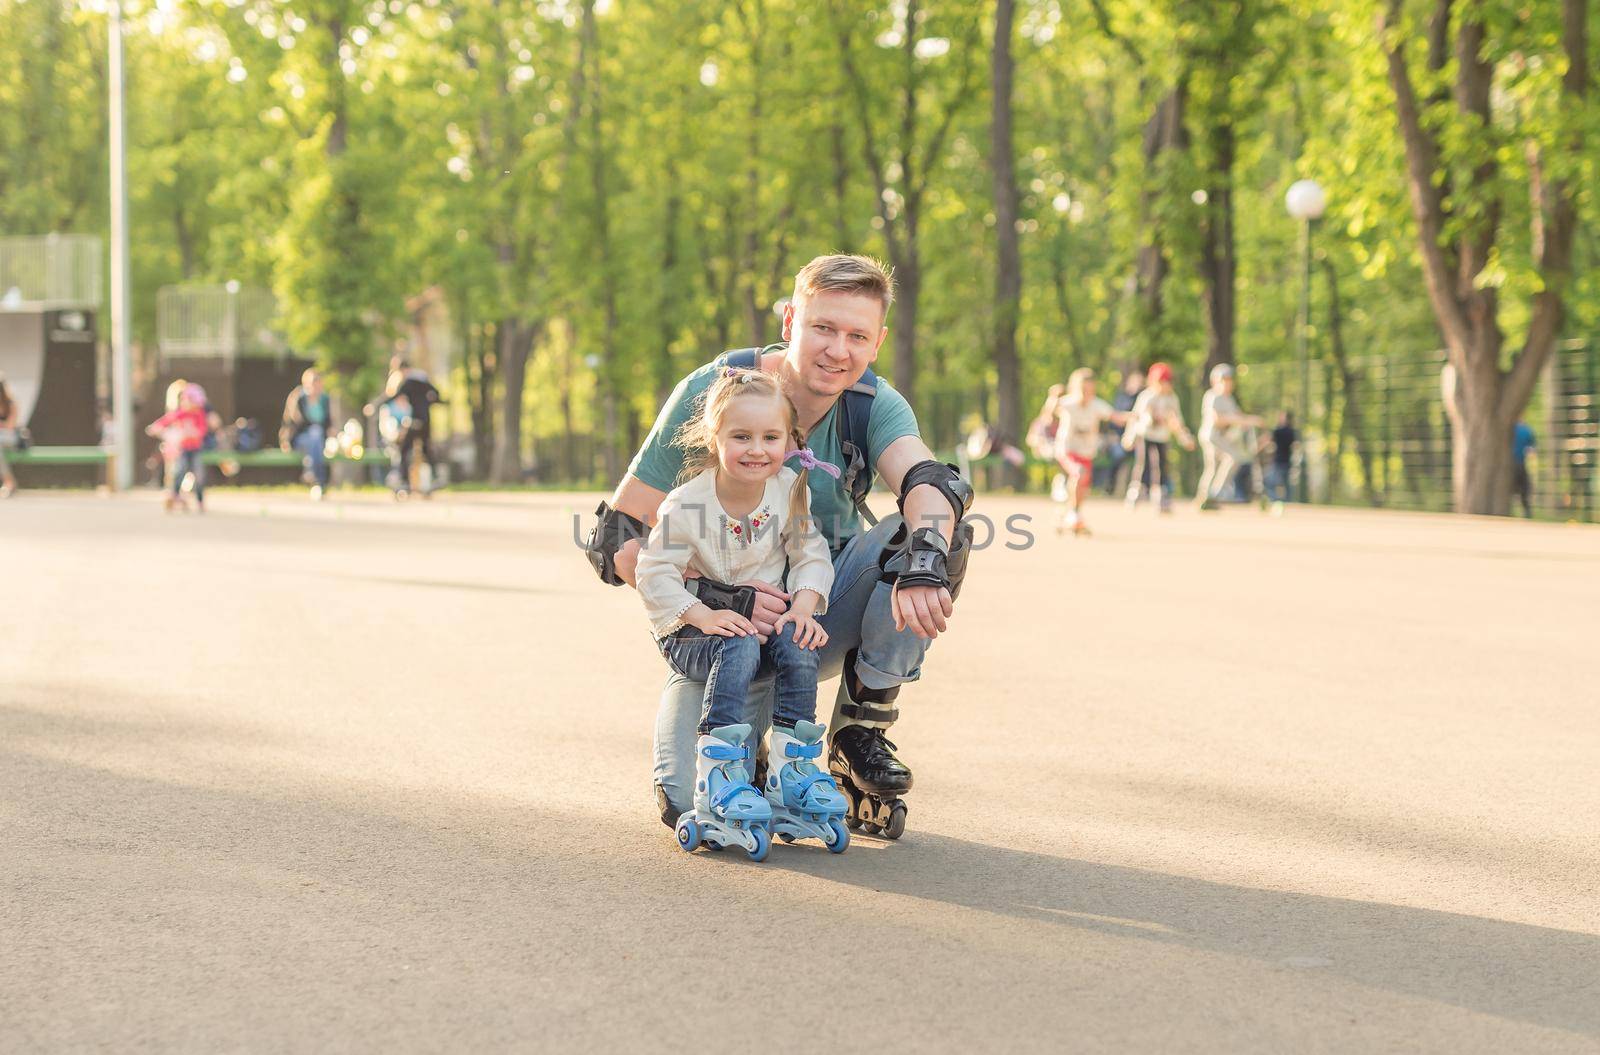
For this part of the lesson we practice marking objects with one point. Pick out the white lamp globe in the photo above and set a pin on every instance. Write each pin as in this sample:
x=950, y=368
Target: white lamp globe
x=1305, y=200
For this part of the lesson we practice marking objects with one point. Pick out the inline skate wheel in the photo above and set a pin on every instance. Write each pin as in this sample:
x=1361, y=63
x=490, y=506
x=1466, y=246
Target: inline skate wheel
x=763, y=844
x=838, y=837
x=786, y=838
x=896, y=825
x=688, y=833
x=870, y=828
x=853, y=822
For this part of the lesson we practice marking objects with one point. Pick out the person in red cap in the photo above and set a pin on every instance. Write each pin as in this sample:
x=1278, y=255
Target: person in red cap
x=1155, y=419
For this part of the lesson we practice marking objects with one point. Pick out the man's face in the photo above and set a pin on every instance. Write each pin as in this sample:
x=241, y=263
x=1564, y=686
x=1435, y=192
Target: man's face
x=833, y=338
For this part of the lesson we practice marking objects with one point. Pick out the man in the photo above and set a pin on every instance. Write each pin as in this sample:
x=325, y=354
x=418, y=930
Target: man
x=1284, y=438
x=1523, y=444
x=1221, y=422
x=414, y=384
x=894, y=585
x=307, y=420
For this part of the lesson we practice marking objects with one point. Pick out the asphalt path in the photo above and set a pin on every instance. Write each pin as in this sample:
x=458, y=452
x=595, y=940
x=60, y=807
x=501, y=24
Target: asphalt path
x=360, y=776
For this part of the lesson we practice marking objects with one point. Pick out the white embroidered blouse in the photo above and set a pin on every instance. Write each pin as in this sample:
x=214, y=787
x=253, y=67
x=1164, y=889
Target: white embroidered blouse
x=694, y=532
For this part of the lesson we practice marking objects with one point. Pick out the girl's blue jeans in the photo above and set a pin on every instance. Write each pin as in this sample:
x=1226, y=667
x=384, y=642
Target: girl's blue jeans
x=728, y=665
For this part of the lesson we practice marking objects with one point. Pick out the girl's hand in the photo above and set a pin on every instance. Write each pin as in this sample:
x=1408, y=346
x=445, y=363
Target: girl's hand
x=808, y=632
x=723, y=623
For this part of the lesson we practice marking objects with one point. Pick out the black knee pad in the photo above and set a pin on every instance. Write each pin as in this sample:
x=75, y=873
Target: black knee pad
x=867, y=705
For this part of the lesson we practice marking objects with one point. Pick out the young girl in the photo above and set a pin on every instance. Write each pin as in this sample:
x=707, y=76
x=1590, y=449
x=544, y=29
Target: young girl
x=740, y=514
x=1079, y=416
x=183, y=436
x=1155, y=418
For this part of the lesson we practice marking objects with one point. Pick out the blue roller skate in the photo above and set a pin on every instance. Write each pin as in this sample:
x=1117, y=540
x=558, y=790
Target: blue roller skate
x=806, y=803
x=728, y=811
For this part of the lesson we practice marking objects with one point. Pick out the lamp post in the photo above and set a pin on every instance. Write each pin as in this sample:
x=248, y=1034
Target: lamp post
x=121, y=354
x=1306, y=203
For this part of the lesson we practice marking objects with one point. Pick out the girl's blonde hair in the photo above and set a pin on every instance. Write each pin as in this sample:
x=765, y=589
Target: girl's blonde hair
x=698, y=435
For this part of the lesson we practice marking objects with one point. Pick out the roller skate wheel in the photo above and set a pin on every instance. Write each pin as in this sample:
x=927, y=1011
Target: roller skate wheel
x=785, y=837
x=896, y=825
x=763, y=844
x=853, y=822
x=688, y=833
x=870, y=828
x=838, y=839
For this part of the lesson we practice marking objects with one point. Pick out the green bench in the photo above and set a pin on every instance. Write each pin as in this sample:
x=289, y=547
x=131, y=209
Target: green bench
x=270, y=458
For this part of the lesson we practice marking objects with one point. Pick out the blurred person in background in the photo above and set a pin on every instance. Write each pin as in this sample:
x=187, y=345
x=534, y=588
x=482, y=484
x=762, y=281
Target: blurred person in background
x=1118, y=455
x=1284, y=438
x=1156, y=418
x=1523, y=445
x=10, y=422
x=1222, y=436
x=307, y=419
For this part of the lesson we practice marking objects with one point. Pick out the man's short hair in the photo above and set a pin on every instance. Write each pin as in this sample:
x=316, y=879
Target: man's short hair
x=842, y=273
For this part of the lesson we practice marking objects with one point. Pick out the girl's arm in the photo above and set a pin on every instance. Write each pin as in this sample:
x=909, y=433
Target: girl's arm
x=663, y=560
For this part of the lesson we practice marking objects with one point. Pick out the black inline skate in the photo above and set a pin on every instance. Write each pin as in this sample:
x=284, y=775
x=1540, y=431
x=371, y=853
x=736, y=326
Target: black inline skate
x=862, y=761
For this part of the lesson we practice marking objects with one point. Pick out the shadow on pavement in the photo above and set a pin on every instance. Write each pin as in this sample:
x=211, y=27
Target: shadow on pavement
x=1537, y=975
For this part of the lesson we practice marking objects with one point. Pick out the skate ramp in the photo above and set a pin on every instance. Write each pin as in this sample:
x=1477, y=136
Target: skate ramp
x=22, y=358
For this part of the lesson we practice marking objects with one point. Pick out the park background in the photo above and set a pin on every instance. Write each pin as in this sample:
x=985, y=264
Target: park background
x=568, y=205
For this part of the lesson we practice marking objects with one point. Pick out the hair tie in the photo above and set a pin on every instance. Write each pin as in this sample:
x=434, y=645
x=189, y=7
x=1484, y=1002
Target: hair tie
x=808, y=460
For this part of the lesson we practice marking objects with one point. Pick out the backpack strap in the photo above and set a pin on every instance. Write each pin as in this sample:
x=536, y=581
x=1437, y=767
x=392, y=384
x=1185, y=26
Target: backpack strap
x=851, y=424
x=743, y=358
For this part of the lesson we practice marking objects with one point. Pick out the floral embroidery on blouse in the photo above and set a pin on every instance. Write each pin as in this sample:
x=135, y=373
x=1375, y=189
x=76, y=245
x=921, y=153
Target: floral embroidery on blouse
x=736, y=528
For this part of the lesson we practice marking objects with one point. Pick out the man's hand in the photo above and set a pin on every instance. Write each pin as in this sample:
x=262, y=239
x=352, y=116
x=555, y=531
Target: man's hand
x=925, y=609
x=771, y=602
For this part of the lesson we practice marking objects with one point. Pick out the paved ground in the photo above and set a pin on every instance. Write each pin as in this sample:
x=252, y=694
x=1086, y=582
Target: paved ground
x=371, y=777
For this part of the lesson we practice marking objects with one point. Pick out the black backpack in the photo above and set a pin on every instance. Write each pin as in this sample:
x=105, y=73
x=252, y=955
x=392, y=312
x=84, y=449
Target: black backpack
x=850, y=424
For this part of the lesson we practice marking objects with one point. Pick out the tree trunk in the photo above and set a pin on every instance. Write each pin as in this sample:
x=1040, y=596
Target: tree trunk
x=1482, y=400
x=1163, y=132
x=1349, y=382
x=514, y=340
x=1218, y=263
x=1008, y=271
x=908, y=289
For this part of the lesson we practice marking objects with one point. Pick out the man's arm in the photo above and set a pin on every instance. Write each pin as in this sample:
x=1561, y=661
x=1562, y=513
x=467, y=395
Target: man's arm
x=637, y=499
x=924, y=609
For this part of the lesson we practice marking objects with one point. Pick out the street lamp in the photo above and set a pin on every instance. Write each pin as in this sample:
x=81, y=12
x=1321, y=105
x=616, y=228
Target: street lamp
x=1306, y=203
x=121, y=353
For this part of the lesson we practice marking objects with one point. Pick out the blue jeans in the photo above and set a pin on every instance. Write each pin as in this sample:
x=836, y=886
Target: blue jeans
x=1277, y=482
x=858, y=617
x=189, y=463
x=312, y=443
x=728, y=665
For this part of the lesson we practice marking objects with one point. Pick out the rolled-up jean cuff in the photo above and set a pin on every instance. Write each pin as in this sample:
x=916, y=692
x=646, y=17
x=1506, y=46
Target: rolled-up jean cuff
x=873, y=678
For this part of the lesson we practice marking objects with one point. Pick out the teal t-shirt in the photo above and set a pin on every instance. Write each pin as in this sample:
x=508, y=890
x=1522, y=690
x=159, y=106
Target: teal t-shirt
x=659, y=462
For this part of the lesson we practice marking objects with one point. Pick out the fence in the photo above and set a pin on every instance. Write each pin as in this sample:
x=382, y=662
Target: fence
x=49, y=272
x=216, y=322
x=1376, y=431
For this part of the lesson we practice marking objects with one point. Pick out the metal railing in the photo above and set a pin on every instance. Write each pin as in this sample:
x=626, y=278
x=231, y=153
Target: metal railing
x=1378, y=432
x=216, y=322
x=49, y=272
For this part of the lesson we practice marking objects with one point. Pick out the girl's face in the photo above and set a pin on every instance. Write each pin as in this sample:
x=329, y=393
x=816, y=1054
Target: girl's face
x=752, y=438
x=1088, y=392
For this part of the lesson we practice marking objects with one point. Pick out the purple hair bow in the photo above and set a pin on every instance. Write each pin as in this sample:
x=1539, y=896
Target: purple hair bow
x=808, y=460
